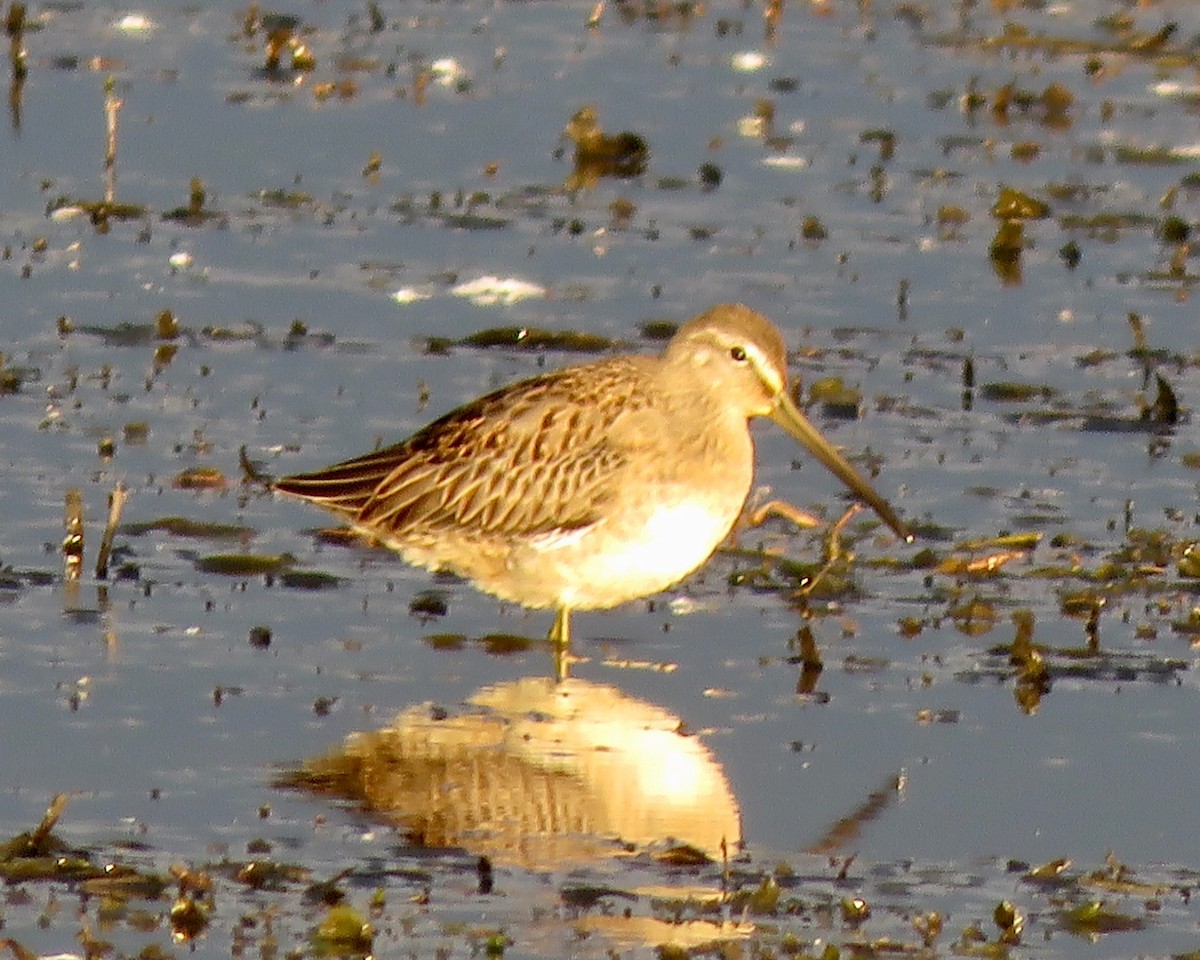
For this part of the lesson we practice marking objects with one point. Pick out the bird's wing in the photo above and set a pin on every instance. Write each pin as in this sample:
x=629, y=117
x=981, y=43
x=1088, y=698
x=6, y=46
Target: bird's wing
x=534, y=457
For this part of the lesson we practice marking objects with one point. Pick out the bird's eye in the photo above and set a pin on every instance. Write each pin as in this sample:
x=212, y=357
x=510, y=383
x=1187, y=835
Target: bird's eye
x=738, y=354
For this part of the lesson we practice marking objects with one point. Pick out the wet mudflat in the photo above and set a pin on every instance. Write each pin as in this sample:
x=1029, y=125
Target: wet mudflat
x=973, y=223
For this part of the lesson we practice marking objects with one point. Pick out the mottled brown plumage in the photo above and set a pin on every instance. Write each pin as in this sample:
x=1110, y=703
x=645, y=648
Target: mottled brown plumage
x=589, y=486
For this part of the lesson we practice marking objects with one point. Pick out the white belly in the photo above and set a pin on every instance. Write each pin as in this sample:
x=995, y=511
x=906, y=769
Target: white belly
x=603, y=565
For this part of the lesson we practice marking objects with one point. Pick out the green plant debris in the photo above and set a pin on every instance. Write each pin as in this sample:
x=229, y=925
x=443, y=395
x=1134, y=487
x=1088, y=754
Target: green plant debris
x=1013, y=204
x=429, y=604
x=812, y=229
x=1015, y=37
x=308, y=580
x=951, y=218
x=1174, y=230
x=1051, y=106
x=343, y=931
x=775, y=572
x=973, y=617
x=200, y=478
x=186, y=527
x=12, y=378
x=1096, y=357
x=1026, y=151
x=1165, y=408
x=285, y=199
x=505, y=644
x=1006, y=541
x=99, y=211
x=1116, y=877
x=586, y=896
x=597, y=154
x=446, y=641
x=1150, y=156
x=1096, y=917
x=658, y=331
x=264, y=874
x=39, y=855
x=247, y=331
x=1051, y=873
x=682, y=855
x=299, y=335
x=1081, y=603
x=165, y=326
x=886, y=139
x=294, y=914
x=1010, y=391
x=855, y=910
x=534, y=338
x=1005, y=250
x=194, y=214
x=474, y=221
x=244, y=564
x=1189, y=563
x=837, y=400
x=189, y=917
x=1106, y=224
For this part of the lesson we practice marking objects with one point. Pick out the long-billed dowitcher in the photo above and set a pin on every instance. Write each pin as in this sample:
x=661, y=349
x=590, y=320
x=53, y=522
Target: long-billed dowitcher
x=590, y=486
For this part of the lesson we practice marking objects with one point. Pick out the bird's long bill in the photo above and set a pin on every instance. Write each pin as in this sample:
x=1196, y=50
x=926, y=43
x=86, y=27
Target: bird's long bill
x=789, y=416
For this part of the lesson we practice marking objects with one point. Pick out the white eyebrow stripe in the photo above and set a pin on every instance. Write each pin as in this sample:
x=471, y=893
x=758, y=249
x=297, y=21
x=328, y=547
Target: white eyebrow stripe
x=772, y=377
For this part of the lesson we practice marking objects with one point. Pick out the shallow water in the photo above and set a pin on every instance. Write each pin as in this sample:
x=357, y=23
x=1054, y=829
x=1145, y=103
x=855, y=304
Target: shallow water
x=143, y=697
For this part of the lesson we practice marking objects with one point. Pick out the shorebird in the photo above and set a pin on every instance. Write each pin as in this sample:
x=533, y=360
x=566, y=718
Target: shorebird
x=590, y=486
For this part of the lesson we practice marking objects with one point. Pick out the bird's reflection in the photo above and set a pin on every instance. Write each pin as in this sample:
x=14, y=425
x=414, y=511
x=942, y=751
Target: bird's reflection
x=537, y=772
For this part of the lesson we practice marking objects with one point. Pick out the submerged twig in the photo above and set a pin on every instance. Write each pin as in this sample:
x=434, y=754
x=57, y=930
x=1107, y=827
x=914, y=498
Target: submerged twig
x=811, y=665
x=72, y=546
x=49, y=821
x=833, y=550
x=112, y=106
x=771, y=17
x=849, y=828
x=14, y=26
x=20, y=951
x=781, y=508
x=116, y=503
x=251, y=471
x=38, y=842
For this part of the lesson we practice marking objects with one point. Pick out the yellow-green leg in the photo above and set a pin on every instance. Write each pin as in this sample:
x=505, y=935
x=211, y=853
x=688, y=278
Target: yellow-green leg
x=560, y=633
x=560, y=639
